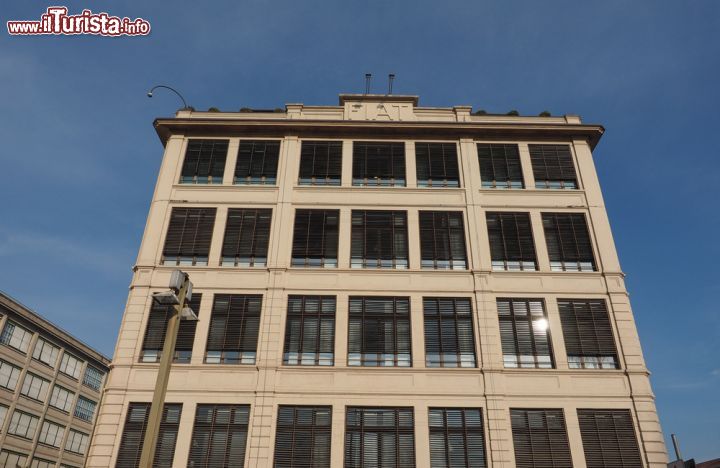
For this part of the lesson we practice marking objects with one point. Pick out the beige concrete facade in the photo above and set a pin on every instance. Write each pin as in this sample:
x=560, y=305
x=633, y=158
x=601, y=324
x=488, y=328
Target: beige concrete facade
x=490, y=386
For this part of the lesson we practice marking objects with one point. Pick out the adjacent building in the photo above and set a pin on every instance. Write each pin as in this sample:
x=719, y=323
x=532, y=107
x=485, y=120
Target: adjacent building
x=381, y=284
x=50, y=388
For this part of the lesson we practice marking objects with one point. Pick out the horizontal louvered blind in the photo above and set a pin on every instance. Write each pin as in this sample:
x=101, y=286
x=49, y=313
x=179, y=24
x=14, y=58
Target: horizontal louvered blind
x=315, y=238
x=310, y=331
x=568, y=242
x=378, y=163
x=442, y=240
x=379, y=332
x=247, y=234
x=456, y=438
x=540, y=438
x=219, y=436
x=553, y=166
x=257, y=162
x=188, y=236
x=234, y=327
x=608, y=438
x=379, y=438
x=320, y=163
x=379, y=239
x=524, y=333
x=204, y=162
x=588, y=334
x=131, y=444
x=437, y=165
x=303, y=437
x=511, y=241
x=157, y=328
x=449, y=336
x=500, y=166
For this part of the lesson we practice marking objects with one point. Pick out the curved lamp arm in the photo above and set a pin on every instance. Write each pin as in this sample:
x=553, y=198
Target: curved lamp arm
x=150, y=93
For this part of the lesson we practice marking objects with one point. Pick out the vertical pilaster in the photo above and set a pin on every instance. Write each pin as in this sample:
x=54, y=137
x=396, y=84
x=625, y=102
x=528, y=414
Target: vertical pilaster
x=347, y=160
x=231, y=161
x=410, y=168
x=541, y=251
x=413, y=230
x=526, y=163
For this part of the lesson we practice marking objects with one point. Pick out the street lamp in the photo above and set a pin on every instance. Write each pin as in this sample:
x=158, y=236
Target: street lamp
x=150, y=94
x=178, y=297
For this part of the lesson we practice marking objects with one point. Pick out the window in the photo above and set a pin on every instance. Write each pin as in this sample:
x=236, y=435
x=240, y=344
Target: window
x=540, y=438
x=379, y=437
x=234, y=327
x=157, y=327
x=524, y=333
x=51, y=434
x=442, y=240
x=46, y=352
x=511, y=241
x=11, y=459
x=568, y=242
x=93, y=378
x=219, y=436
x=35, y=387
x=303, y=437
x=3, y=414
x=379, y=164
x=85, y=409
x=553, y=167
x=9, y=375
x=247, y=235
x=315, y=238
x=204, y=162
x=310, y=331
x=16, y=337
x=456, y=438
x=609, y=439
x=188, y=236
x=62, y=398
x=449, y=338
x=42, y=463
x=437, y=165
x=379, y=239
x=500, y=166
x=257, y=162
x=379, y=332
x=77, y=442
x=133, y=435
x=320, y=163
x=588, y=334
x=70, y=365
x=23, y=425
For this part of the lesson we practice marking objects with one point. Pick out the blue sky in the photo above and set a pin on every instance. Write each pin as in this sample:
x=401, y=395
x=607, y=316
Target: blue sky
x=80, y=156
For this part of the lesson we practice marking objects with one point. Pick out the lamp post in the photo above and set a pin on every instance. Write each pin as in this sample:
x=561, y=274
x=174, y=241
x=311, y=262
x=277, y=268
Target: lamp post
x=150, y=94
x=178, y=296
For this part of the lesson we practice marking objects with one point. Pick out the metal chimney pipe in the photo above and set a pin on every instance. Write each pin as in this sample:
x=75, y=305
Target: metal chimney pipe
x=368, y=77
x=391, y=78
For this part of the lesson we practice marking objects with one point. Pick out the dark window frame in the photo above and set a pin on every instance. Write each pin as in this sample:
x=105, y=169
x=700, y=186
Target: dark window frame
x=175, y=251
x=308, y=236
x=133, y=444
x=239, y=250
x=231, y=428
x=439, y=246
x=452, y=352
x=511, y=249
x=500, y=166
x=307, y=438
x=156, y=328
x=588, y=334
x=386, y=238
x=193, y=172
x=569, y=242
x=609, y=447
x=300, y=318
x=368, y=354
x=524, y=338
x=369, y=157
x=231, y=347
x=553, y=167
x=465, y=431
x=427, y=159
x=257, y=162
x=324, y=168
x=403, y=426
x=549, y=444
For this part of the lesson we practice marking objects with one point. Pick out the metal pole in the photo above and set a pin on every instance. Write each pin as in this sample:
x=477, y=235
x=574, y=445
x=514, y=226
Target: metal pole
x=158, y=401
x=677, y=446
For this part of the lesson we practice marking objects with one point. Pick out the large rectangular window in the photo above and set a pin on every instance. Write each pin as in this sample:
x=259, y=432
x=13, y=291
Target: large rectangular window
x=379, y=332
x=315, y=238
x=247, y=235
x=188, y=236
x=62, y=398
x=320, y=163
x=204, y=162
x=608, y=438
x=500, y=166
x=456, y=438
x=379, y=164
x=553, y=167
x=8, y=458
x=157, y=328
x=379, y=239
x=9, y=375
x=511, y=241
x=524, y=333
x=77, y=442
x=219, y=436
x=442, y=240
x=540, y=438
x=257, y=162
x=46, y=352
x=16, y=337
x=85, y=409
x=303, y=437
x=23, y=425
x=35, y=387
x=93, y=377
x=70, y=365
x=133, y=435
x=588, y=334
x=379, y=437
x=568, y=242
x=310, y=331
x=437, y=165
x=449, y=337
x=234, y=327
x=51, y=434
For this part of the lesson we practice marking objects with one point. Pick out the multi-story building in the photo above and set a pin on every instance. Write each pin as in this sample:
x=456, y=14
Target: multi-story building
x=380, y=284
x=50, y=388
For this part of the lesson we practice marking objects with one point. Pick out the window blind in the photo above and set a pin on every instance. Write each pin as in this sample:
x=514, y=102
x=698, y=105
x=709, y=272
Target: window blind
x=588, y=334
x=540, y=438
x=188, y=236
x=511, y=241
x=157, y=328
x=219, y=436
x=320, y=163
x=303, y=437
x=315, y=238
x=442, y=240
x=608, y=438
x=234, y=326
x=247, y=235
x=524, y=333
x=449, y=336
x=379, y=438
x=204, y=162
x=553, y=167
x=437, y=165
x=568, y=242
x=456, y=438
x=131, y=443
x=500, y=166
x=257, y=162
x=310, y=331
x=379, y=164
x=379, y=332
x=379, y=239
